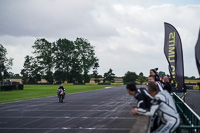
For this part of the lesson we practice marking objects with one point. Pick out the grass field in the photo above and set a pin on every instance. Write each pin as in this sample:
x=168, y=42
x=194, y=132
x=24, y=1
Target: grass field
x=36, y=91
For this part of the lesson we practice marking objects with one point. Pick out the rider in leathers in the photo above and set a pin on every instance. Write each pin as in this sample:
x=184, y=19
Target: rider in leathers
x=61, y=87
x=143, y=98
x=164, y=106
x=141, y=95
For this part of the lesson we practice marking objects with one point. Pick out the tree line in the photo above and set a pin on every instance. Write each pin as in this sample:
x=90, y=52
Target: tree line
x=62, y=60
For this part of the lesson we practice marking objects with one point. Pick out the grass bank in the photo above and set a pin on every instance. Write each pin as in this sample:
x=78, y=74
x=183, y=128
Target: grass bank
x=37, y=91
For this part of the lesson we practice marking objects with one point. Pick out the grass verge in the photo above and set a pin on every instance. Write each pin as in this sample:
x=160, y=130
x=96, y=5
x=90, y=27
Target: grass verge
x=37, y=91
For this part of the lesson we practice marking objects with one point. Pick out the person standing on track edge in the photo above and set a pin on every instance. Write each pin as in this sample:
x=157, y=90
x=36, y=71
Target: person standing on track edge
x=164, y=106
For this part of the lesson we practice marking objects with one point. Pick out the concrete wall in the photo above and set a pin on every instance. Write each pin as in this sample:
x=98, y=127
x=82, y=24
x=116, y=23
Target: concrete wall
x=141, y=124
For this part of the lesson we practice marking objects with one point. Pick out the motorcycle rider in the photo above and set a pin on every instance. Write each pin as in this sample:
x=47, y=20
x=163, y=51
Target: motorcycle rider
x=61, y=87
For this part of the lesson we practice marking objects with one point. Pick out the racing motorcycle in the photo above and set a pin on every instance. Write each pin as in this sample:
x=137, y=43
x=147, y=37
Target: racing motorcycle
x=60, y=95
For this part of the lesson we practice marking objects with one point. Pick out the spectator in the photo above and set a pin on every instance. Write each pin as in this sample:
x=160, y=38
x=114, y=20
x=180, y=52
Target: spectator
x=164, y=106
x=154, y=73
x=155, y=120
x=167, y=85
x=170, y=80
x=151, y=78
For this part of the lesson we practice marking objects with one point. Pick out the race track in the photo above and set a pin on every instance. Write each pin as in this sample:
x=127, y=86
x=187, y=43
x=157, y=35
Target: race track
x=100, y=111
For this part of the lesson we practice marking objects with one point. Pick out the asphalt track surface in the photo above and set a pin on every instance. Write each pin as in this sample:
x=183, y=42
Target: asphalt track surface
x=100, y=111
x=192, y=98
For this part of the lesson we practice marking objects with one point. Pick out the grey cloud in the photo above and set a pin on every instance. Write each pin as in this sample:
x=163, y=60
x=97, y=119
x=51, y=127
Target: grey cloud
x=50, y=19
x=127, y=35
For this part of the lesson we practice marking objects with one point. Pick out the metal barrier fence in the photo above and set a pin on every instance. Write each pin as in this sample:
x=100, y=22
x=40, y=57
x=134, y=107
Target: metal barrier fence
x=190, y=121
x=11, y=87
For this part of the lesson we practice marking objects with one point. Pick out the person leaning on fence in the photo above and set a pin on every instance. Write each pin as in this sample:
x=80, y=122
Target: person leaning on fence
x=141, y=95
x=155, y=119
x=164, y=106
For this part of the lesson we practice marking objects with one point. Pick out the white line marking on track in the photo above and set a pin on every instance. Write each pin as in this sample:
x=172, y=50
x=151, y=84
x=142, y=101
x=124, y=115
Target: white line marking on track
x=67, y=128
x=67, y=110
x=65, y=117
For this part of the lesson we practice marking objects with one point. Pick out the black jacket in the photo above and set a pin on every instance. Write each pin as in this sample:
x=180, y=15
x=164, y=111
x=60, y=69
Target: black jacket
x=144, y=98
x=168, y=87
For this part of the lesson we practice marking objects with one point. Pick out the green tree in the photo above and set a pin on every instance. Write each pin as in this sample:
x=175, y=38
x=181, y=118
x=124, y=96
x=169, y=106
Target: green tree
x=5, y=63
x=64, y=54
x=186, y=77
x=69, y=60
x=192, y=77
x=11, y=74
x=26, y=71
x=86, y=56
x=31, y=73
x=109, y=76
x=130, y=77
x=95, y=72
x=14, y=76
x=44, y=53
x=75, y=72
x=141, y=78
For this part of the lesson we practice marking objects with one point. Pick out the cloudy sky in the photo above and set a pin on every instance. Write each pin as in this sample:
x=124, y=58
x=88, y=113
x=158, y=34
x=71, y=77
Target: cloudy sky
x=128, y=35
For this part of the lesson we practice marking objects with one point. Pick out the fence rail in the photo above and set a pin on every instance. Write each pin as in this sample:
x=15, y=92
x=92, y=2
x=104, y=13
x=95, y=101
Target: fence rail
x=190, y=121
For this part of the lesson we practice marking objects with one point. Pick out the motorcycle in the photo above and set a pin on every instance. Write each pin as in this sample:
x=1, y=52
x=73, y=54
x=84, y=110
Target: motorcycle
x=60, y=95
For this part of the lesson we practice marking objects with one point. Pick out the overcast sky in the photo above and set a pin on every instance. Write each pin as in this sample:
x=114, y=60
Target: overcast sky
x=128, y=35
